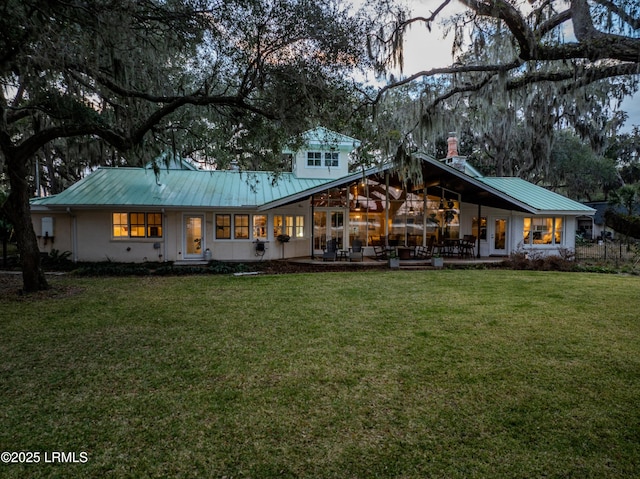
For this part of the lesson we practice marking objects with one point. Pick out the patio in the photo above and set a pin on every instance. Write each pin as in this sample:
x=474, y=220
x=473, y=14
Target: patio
x=372, y=262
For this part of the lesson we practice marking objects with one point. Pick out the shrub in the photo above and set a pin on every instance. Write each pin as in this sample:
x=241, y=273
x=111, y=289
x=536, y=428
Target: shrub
x=111, y=269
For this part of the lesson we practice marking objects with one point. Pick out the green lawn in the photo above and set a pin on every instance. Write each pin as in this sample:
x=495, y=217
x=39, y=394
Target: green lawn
x=443, y=374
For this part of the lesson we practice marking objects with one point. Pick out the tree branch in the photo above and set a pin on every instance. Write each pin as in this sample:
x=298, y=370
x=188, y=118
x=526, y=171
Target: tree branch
x=506, y=12
x=121, y=140
x=624, y=16
x=448, y=70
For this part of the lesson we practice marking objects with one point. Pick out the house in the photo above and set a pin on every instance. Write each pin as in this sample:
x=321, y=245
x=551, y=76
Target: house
x=183, y=214
x=594, y=227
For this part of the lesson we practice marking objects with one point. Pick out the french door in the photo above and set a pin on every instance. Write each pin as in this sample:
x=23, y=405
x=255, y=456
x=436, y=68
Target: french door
x=328, y=225
x=498, y=236
x=193, y=237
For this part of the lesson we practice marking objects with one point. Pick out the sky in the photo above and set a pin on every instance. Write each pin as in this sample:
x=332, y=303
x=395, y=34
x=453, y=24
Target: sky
x=425, y=50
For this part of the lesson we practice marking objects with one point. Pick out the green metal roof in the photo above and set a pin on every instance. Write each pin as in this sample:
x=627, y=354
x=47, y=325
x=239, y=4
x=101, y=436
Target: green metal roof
x=178, y=188
x=534, y=196
x=133, y=187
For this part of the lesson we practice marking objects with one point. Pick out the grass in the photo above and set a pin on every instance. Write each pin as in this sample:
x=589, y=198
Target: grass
x=442, y=374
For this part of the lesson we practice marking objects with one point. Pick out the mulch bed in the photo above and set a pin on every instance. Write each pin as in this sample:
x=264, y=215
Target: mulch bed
x=11, y=289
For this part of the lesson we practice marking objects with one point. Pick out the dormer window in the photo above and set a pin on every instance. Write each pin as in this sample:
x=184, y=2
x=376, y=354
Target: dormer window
x=314, y=158
x=331, y=159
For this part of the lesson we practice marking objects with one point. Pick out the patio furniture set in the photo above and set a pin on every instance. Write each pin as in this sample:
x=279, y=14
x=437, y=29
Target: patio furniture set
x=449, y=247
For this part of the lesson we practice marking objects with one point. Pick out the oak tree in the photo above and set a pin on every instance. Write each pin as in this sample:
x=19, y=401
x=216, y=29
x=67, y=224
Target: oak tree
x=120, y=81
x=516, y=66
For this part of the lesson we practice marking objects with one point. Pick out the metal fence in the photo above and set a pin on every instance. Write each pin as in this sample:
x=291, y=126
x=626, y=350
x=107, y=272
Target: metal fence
x=608, y=251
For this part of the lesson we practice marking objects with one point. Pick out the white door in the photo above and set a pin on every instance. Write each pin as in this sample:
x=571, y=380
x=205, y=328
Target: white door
x=193, y=247
x=498, y=236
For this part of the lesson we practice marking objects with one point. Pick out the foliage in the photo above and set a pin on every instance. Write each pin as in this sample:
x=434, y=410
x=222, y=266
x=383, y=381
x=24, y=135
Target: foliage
x=626, y=196
x=625, y=150
x=88, y=83
x=626, y=225
x=576, y=170
x=260, y=70
x=515, y=75
x=155, y=269
x=496, y=374
x=535, y=261
x=58, y=260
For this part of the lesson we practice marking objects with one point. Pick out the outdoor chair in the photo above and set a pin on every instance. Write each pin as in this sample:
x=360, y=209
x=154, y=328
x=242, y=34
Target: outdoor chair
x=426, y=252
x=380, y=252
x=331, y=253
x=356, y=252
x=467, y=246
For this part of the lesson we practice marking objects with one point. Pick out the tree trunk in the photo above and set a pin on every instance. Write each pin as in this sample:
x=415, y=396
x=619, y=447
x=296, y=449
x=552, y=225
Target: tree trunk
x=5, y=243
x=19, y=213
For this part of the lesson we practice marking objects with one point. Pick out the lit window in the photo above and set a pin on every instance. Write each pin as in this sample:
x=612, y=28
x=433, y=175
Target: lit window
x=223, y=226
x=314, y=158
x=241, y=227
x=299, y=226
x=154, y=225
x=120, y=225
x=136, y=225
x=542, y=231
x=479, y=231
x=260, y=227
x=278, y=225
x=289, y=225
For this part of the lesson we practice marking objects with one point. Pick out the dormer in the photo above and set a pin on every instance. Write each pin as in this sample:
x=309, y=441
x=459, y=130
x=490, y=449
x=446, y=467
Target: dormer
x=323, y=154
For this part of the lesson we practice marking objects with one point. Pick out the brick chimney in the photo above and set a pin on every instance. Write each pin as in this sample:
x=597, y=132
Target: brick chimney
x=453, y=159
x=452, y=145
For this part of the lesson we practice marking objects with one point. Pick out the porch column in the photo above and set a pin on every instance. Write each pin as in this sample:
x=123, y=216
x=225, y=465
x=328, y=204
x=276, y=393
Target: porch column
x=424, y=217
x=313, y=226
x=386, y=209
x=478, y=239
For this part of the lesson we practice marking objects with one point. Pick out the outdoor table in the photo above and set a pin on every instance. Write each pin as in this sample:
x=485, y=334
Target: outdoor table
x=449, y=247
x=404, y=252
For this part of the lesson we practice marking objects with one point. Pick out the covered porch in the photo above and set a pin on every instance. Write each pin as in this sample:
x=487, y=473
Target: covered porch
x=381, y=208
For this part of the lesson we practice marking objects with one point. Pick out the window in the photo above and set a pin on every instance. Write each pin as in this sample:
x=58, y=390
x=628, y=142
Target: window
x=314, y=158
x=292, y=226
x=120, y=225
x=154, y=225
x=260, y=227
x=223, y=226
x=331, y=159
x=241, y=227
x=542, y=231
x=136, y=225
x=299, y=226
x=278, y=225
x=288, y=222
x=481, y=231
